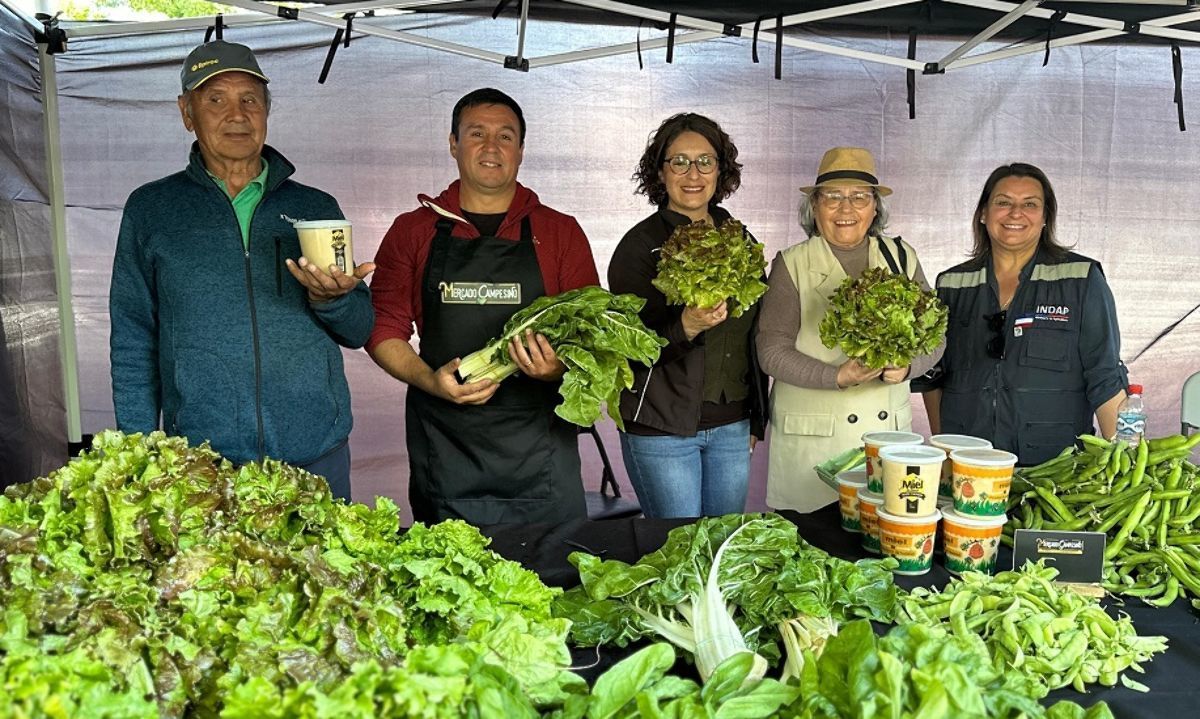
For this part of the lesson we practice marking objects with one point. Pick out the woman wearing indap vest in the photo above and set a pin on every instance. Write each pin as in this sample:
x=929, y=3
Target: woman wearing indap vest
x=1033, y=347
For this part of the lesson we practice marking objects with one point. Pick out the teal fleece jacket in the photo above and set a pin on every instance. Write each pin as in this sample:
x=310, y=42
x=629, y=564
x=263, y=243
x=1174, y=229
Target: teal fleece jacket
x=221, y=341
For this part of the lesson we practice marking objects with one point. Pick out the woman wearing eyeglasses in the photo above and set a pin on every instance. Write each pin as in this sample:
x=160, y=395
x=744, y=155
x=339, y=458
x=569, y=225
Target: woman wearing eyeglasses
x=1033, y=347
x=691, y=419
x=823, y=402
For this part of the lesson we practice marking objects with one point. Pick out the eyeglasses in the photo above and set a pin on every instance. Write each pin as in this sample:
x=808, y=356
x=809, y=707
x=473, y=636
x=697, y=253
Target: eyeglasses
x=858, y=200
x=681, y=164
x=996, y=324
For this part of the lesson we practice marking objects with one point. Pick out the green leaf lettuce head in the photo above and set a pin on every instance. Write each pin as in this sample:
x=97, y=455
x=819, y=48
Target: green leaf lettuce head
x=883, y=319
x=700, y=266
x=150, y=578
x=595, y=333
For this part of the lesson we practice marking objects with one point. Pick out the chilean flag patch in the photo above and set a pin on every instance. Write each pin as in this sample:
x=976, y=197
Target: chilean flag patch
x=1020, y=324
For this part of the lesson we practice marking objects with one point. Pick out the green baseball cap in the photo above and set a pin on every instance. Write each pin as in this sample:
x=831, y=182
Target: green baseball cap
x=216, y=57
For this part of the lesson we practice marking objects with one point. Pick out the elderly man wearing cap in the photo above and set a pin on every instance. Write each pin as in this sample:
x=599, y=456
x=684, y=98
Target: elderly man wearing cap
x=207, y=334
x=822, y=402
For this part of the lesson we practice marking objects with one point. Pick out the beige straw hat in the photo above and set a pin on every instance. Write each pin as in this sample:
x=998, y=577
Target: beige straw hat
x=847, y=166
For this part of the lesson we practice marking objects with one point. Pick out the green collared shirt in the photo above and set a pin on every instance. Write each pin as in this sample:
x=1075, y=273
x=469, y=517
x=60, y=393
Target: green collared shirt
x=246, y=201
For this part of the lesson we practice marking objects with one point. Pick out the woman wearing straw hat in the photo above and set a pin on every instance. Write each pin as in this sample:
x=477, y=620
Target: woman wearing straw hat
x=823, y=402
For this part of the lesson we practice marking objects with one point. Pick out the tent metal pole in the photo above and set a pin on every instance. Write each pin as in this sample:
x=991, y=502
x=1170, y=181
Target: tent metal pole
x=1102, y=23
x=988, y=33
x=1171, y=33
x=709, y=25
x=1157, y=28
x=67, y=345
x=366, y=28
x=622, y=49
x=844, y=10
x=1032, y=47
x=850, y=53
x=122, y=29
x=21, y=15
x=1111, y=29
x=521, y=32
x=813, y=16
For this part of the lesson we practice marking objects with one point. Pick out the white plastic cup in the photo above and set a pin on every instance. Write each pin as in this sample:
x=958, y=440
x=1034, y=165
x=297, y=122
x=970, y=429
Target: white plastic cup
x=327, y=242
x=869, y=505
x=950, y=443
x=971, y=543
x=909, y=540
x=981, y=480
x=848, y=485
x=872, y=443
x=910, y=478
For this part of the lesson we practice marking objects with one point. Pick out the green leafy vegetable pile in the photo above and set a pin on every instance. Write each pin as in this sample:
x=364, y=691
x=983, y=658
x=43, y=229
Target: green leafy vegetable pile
x=639, y=687
x=1054, y=636
x=780, y=591
x=595, y=333
x=883, y=319
x=919, y=672
x=700, y=265
x=148, y=578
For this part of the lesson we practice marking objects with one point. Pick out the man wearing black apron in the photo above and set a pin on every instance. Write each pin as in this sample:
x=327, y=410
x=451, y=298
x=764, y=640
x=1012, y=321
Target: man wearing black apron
x=458, y=268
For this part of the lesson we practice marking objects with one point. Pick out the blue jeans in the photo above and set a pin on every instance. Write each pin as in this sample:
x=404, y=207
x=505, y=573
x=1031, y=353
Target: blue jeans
x=702, y=476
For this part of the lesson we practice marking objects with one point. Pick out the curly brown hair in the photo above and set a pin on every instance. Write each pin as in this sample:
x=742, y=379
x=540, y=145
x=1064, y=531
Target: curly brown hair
x=646, y=175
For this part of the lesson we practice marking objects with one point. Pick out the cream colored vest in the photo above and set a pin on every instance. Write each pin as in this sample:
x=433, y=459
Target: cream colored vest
x=809, y=426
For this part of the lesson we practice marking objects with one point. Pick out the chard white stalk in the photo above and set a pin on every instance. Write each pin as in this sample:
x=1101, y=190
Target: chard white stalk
x=484, y=364
x=800, y=634
x=709, y=632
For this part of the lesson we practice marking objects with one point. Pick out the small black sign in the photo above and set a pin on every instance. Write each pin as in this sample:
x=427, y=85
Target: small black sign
x=1078, y=556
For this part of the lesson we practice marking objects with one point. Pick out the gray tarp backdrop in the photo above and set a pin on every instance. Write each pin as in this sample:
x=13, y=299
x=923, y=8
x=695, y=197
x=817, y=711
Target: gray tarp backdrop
x=32, y=425
x=1099, y=119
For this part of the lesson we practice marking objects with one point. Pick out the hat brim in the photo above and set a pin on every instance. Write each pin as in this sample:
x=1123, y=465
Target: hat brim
x=884, y=190
x=206, y=78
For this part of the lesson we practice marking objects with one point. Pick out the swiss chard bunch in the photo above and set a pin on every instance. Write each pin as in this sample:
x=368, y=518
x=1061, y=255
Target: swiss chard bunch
x=701, y=265
x=883, y=319
x=773, y=589
x=595, y=333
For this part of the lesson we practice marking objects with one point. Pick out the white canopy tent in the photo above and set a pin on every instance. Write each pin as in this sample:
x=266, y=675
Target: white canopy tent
x=1099, y=118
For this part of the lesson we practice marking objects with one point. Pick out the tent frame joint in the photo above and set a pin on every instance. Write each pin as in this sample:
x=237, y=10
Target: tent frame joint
x=520, y=64
x=1133, y=28
x=289, y=13
x=732, y=30
x=51, y=35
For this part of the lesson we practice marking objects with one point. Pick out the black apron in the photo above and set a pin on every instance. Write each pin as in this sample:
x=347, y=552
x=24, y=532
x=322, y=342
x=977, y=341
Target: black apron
x=511, y=459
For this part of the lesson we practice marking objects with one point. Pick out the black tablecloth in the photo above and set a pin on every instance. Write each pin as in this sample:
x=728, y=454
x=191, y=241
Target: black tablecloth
x=1173, y=677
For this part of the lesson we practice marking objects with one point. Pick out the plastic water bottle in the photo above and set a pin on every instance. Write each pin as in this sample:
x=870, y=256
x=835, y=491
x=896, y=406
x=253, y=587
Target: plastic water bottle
x=1131, y=417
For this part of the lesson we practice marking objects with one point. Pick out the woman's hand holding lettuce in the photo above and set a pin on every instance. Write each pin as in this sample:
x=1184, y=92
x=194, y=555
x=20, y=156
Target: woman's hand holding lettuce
x=883, y=319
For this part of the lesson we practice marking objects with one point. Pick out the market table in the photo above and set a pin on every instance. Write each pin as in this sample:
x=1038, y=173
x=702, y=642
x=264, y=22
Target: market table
x=1173, y=677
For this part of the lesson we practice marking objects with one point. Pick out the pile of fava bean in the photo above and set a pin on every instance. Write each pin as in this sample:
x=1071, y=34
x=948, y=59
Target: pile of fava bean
x=1145, y=498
